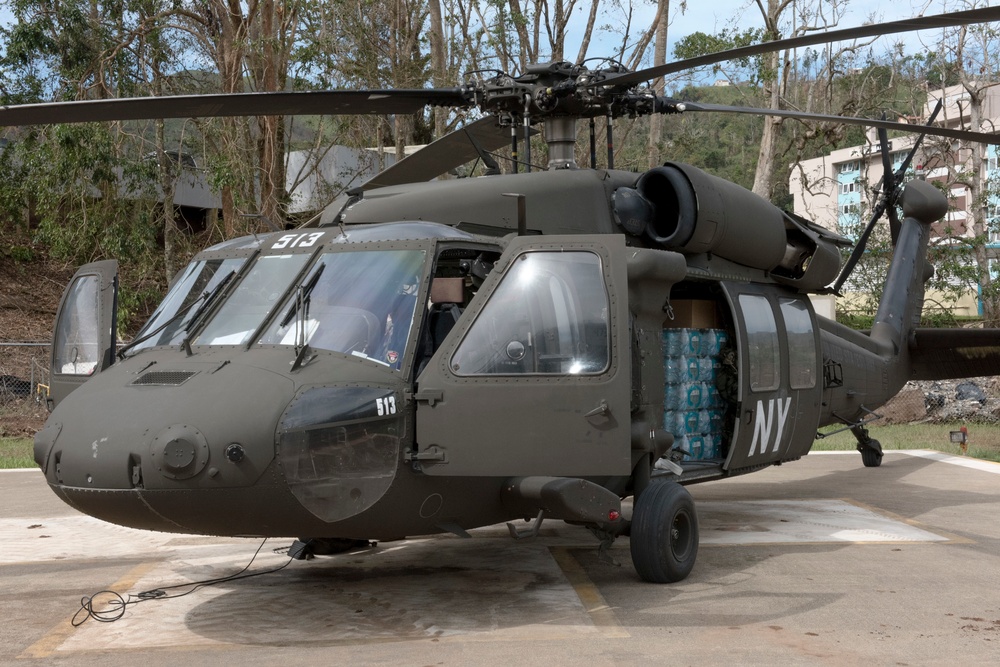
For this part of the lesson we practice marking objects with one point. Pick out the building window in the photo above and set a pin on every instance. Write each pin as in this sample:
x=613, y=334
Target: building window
x=846, y=167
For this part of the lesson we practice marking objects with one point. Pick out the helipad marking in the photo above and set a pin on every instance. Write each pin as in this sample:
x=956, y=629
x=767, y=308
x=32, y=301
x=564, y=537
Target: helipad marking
x=965, y=462
x=950, y=537
x=800, y=521
x=940, y=457
x=58, y=635
x=480, y=590
x=602, y=615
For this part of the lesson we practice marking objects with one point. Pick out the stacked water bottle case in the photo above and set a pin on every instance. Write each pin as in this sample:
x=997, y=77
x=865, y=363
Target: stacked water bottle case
x=693, y=410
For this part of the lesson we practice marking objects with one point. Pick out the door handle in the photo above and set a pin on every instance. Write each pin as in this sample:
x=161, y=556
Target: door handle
x=430, y=396
x=600, y=411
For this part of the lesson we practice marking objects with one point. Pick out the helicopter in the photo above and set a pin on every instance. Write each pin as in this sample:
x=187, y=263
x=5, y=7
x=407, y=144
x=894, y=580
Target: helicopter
x=434, y=356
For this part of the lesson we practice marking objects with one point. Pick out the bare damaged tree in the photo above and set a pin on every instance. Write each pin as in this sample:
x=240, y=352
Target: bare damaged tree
x=221, y=30
x=661, y=22
x=974, y=59
x=273, y=34
x=777, y=68
x=439, y=61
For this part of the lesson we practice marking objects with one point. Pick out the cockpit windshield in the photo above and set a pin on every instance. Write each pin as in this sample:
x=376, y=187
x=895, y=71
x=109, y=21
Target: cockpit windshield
x=355, y=302
x=172, y=318
x=253, y=300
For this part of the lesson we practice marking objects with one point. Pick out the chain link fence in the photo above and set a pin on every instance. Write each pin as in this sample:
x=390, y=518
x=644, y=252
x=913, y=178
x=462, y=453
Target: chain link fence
x=24, y=386
x=970, y=403
x=974, y=400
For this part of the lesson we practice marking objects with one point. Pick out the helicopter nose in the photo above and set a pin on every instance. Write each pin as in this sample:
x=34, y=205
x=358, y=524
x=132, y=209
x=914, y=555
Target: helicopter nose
x=199, y=426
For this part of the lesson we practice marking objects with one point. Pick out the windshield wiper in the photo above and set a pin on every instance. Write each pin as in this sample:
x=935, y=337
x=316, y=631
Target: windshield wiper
x=302, y=296
x=299, y=310
x=205, y=296
x=176, y=316
x=209, y=297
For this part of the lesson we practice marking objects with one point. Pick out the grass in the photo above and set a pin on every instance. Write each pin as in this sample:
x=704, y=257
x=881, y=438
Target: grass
x=17, y=453
x=983, y=440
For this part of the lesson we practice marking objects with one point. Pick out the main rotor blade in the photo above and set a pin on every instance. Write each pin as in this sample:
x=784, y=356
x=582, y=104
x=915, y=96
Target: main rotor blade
x=948, y=20
x=322, y=102
x=450, y=151
x=966, y=135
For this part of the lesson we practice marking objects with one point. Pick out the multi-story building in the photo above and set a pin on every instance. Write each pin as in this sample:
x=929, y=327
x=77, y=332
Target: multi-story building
x=839, y=190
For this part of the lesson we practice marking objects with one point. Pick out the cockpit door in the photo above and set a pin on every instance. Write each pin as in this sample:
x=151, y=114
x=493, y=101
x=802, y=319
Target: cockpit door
x=83, y=341
x=534, y=377
x=779, y=354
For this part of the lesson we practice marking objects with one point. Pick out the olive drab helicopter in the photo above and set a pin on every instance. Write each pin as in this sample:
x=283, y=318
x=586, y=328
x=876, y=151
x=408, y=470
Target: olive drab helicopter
x=434, y=356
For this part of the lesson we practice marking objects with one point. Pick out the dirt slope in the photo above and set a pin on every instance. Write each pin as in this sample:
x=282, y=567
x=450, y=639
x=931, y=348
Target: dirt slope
x=29, y=296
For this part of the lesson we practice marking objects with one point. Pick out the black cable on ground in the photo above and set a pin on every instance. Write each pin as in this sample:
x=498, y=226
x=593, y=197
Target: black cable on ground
x=114, y=608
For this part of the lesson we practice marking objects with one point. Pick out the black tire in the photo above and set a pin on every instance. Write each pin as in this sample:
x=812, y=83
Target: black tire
x=872, y=458
x=664, y=537
x=331, y=546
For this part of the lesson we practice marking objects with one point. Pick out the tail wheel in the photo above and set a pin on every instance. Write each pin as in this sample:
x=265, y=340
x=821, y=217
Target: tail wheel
x=664, y=534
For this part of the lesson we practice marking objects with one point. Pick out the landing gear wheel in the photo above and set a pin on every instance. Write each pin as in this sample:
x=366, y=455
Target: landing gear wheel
x=871, y=455
x=664, y=533
x=306, y=548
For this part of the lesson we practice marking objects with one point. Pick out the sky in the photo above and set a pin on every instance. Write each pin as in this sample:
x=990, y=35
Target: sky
x=714, y=15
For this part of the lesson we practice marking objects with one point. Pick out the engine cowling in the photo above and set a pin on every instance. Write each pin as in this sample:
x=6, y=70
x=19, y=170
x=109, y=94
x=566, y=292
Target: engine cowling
x=680, y=207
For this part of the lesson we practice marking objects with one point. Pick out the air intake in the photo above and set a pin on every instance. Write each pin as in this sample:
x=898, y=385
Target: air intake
x=163, y=378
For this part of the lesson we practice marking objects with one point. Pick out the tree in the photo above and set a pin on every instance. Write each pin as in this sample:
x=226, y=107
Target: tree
x=662, y=21
x=220, y=31
x=272, y=37
x=91, y=188
x=973, y=59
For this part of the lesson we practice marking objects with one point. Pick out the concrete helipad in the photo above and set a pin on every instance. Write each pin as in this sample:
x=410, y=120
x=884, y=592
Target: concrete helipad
x=819, y=561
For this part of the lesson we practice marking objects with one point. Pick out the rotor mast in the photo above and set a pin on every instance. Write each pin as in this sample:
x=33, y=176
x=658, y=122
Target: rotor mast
x=560, y=136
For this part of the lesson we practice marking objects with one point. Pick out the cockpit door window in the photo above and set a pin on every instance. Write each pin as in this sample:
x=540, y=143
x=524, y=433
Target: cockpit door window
x=83, y=342
x=548, y=316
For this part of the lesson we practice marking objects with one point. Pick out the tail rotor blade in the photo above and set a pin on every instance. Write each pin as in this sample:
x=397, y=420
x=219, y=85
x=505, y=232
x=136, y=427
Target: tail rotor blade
x=887, y=200
x=888, y=183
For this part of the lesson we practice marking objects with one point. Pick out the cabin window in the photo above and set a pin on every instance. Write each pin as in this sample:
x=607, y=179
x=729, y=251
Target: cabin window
x=77, y=337
x=548, y=316
x=801, y=344
x=762, y=342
